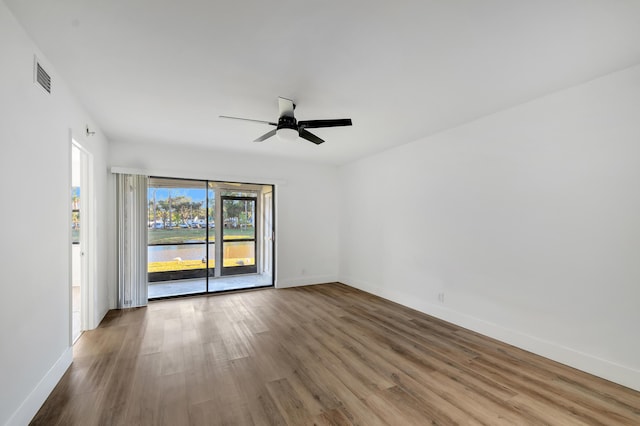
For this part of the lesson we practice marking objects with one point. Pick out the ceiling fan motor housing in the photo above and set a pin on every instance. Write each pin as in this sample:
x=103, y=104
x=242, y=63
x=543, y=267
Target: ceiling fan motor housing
x=286, y=122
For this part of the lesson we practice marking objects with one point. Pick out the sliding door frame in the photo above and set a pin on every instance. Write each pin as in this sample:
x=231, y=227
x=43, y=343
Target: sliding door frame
x=239, y=270
x=219, y=188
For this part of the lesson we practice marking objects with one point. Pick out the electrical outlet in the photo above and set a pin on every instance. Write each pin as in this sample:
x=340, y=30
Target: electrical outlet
x=441, y=297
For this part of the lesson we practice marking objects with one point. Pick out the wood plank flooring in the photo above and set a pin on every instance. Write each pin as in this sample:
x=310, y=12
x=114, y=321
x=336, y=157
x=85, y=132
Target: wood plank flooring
x=324, y=355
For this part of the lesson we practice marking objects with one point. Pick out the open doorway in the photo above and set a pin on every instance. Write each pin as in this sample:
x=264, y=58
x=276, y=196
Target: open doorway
x=81, y=239
x=207, y=236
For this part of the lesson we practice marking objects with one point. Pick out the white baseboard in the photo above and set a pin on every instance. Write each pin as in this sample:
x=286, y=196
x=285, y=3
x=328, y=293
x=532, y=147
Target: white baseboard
x=30, y=406
x=603, y=368
x=305, y=280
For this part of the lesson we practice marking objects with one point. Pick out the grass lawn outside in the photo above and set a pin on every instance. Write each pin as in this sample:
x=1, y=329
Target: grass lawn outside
x=185, y=265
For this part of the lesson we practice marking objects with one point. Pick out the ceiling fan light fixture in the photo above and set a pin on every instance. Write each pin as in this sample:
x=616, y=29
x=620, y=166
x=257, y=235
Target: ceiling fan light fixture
x=289, y=129
x=286, y=134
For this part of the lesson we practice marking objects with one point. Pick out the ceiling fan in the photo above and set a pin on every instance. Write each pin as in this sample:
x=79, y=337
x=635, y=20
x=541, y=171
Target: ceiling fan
x=289, y=128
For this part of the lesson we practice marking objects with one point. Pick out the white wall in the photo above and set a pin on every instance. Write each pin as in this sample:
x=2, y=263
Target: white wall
x=307, y=211
x=528, y=221
x=35, y=162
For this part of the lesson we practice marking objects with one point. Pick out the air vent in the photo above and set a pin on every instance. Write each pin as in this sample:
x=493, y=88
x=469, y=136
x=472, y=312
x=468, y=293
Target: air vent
x=42, y=77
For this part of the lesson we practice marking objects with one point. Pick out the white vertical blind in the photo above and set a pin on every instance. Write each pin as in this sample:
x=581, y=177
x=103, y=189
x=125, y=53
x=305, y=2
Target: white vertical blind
x=132, y=240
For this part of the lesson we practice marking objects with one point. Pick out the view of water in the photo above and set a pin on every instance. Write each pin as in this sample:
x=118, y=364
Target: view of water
x=184, y=252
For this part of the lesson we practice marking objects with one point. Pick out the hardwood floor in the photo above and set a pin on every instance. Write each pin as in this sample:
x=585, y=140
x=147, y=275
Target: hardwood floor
x=325, y=355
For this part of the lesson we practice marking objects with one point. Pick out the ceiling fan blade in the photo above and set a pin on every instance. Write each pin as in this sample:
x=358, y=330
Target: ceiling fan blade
x=250, y=119
x=286, y=107
x=309, y=136
x=266, y=136
x=312, y=124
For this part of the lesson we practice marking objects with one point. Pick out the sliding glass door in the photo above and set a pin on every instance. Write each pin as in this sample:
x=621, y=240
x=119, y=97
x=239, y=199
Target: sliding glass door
x=178, y=232
x=207, y=236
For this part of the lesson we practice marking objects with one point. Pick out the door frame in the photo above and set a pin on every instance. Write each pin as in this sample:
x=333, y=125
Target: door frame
x=87, y=239
x=240, y=270
x=268, y=233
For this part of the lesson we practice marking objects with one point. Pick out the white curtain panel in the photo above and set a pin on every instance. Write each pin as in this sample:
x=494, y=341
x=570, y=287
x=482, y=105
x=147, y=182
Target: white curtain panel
x=132, y=240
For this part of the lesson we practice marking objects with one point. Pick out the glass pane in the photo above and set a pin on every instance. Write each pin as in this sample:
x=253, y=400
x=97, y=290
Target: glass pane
x=239, y=253
x=177, y=246
x=239, y=219
x=169, y=258
x=251, y=194
x=177, y=214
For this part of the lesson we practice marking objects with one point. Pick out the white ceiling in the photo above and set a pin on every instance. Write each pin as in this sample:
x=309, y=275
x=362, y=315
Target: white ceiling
x=162, y=71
